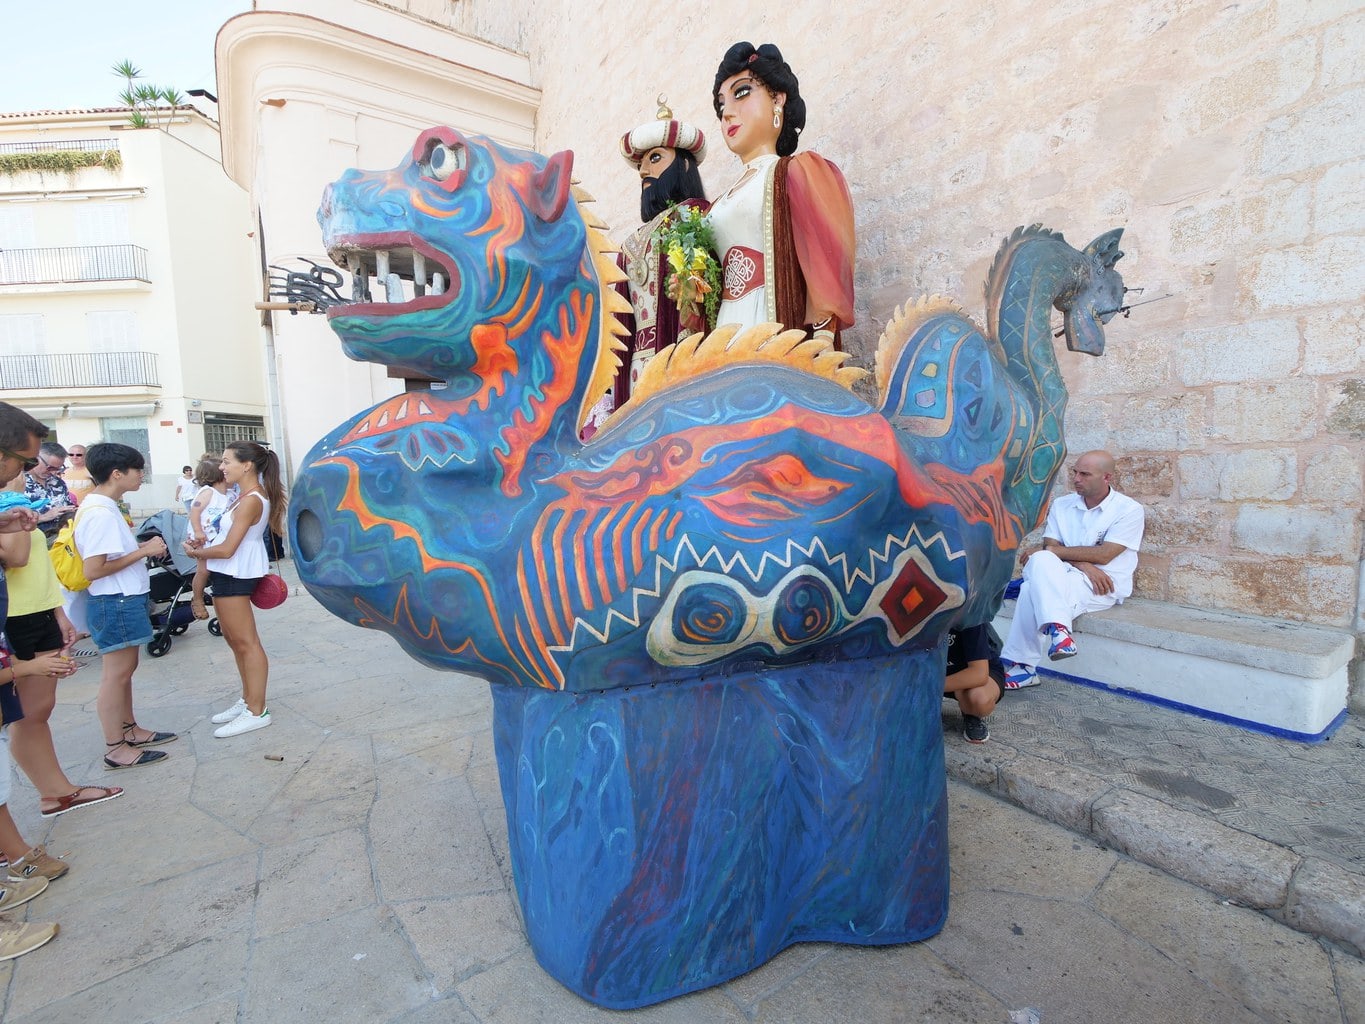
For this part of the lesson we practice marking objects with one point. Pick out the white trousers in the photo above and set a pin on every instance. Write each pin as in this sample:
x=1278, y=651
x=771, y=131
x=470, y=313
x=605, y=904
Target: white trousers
x=1052, y=592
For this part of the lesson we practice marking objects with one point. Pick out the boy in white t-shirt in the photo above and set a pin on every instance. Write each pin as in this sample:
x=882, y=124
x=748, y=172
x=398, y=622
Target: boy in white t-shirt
x=187, y=488
x=117, y=610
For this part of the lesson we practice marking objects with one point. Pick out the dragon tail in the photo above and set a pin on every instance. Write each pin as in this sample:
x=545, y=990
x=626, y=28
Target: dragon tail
x=941, y=380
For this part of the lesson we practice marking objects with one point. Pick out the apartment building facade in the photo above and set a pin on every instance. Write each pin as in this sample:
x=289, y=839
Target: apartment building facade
x=128, y=276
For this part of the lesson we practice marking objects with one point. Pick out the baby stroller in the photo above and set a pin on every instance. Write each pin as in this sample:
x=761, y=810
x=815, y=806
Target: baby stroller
x=172, y=580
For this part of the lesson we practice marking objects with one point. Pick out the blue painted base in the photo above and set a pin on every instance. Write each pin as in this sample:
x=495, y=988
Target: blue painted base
x=668, y=838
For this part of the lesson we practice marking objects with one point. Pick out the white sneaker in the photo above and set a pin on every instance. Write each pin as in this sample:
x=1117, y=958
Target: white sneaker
x=223, y=717
x=245, y=722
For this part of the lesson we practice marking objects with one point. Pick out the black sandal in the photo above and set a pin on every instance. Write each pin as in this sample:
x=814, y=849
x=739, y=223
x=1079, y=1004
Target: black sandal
x=155, y=740
x=146, y=757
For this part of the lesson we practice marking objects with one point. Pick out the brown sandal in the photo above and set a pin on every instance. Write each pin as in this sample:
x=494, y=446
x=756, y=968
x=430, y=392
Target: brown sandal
x=70, y=803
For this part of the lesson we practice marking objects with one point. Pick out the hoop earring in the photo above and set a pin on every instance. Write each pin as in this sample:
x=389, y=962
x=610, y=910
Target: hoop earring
x=777, y=117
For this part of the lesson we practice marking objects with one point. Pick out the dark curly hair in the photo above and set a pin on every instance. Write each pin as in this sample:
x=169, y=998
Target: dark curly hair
x=767, y=65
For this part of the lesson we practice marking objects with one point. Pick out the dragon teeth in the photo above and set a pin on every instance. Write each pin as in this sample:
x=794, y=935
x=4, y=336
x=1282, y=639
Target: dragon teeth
x=360, y=281
x=390, y=281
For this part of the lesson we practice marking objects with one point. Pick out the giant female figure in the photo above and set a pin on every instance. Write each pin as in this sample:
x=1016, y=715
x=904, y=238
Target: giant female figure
x=784, y=229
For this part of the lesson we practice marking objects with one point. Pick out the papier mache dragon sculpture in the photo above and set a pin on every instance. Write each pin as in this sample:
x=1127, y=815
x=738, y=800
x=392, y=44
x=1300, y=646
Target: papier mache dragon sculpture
x=714, y=632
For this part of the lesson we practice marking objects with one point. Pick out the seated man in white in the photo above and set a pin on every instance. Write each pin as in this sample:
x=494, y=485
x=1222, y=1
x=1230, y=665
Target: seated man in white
x=1086, y=563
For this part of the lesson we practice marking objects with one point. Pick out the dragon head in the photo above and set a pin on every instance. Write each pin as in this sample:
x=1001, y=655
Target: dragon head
x=462, y=233
x=1097, y=296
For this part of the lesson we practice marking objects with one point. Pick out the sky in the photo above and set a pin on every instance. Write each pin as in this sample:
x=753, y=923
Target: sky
x=57, y=56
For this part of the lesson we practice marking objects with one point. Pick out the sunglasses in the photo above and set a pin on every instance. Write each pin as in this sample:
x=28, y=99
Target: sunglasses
x=28, y=463
x=59, y=469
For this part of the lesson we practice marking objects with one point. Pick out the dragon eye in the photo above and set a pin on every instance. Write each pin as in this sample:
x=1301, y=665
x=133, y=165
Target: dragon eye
x=443, y=160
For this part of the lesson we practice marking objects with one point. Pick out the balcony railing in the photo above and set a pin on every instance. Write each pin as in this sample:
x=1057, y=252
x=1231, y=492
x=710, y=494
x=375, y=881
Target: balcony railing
x=80, y=370
x=80, y=145
x=74, y=263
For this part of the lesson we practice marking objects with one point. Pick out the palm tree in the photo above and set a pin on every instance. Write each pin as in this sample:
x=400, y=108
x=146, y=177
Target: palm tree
x=143, y=98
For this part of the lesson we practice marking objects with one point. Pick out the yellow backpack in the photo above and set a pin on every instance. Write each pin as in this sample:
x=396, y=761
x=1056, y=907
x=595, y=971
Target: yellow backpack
x=66, y=560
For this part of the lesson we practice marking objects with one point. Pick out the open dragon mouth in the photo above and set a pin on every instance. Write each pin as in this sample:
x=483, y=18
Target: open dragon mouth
x=391, y=275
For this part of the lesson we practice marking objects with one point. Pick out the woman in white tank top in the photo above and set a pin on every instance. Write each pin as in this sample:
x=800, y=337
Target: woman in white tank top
x=236, y=560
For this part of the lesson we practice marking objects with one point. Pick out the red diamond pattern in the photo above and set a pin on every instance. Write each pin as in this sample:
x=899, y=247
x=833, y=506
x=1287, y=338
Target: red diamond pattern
x=913, y=596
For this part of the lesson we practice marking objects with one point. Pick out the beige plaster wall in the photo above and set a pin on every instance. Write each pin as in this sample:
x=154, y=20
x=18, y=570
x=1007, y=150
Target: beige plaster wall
x=216, y=278
x=1226, y=139
x=309, y=88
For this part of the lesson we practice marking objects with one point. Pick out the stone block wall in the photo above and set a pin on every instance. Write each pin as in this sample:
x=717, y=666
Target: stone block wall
x=1228, y=141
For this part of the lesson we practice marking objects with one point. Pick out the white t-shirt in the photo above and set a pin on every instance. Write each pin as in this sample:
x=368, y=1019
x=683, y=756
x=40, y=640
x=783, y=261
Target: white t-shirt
x=100, y=530
x=216, y=503
x=187, y=490
x=1117, y=518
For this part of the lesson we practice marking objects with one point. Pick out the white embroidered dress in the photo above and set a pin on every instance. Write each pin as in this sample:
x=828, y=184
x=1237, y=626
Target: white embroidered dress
x=742, y=219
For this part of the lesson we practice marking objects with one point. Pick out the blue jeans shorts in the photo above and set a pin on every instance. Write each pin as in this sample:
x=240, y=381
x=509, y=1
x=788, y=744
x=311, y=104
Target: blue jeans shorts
x=117, y=621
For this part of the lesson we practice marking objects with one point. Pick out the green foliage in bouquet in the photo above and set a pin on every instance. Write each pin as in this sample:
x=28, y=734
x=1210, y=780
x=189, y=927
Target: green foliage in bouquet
x=685, y=238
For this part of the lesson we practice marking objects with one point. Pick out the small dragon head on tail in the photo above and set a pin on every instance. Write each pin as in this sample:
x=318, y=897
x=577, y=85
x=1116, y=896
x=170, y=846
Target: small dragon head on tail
x=1097, y=296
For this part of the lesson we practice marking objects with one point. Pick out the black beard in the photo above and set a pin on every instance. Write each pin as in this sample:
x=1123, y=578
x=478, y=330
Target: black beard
x=677, y=182
x=654, y=199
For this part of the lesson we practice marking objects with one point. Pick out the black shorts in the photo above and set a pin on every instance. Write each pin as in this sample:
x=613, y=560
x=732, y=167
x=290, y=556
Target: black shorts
x=997, y=677
x=230, y=586
x=33, y=633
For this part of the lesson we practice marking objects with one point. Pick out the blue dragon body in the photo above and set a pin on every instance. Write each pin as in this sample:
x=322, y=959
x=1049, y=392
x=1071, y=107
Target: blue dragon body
x=714, y=631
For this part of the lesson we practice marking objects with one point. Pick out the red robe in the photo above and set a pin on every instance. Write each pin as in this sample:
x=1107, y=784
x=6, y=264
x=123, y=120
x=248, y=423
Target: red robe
x=813, y=241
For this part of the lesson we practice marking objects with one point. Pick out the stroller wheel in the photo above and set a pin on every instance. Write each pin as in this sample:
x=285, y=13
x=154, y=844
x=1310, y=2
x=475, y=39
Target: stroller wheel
x=159, y=646
x=214, y=628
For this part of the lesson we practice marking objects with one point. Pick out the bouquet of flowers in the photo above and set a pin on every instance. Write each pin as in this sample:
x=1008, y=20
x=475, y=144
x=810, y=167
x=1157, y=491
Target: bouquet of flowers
x=685, y=238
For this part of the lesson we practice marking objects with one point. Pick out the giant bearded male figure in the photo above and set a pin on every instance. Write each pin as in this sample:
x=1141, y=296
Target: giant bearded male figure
x=667, y=153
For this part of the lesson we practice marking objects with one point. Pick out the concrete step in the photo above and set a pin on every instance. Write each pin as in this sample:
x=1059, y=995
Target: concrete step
x=1288, y=679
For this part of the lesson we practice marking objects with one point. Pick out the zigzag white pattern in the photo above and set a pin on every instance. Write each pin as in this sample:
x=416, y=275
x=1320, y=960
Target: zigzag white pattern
x=664, y=565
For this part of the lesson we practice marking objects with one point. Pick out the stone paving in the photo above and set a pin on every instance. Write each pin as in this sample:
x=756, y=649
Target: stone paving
x=1267, y=822
x=365, y=877
x=1309, y=798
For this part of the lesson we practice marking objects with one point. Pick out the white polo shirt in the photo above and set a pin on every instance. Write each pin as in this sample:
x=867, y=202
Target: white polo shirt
x=1117, y=518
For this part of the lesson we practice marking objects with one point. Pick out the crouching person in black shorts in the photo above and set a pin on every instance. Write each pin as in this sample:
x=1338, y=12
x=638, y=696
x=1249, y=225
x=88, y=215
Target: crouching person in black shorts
x=974, y=678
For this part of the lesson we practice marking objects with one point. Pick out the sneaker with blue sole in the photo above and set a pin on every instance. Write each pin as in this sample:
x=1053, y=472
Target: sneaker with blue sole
x=1062, y=646
x=1018, y=677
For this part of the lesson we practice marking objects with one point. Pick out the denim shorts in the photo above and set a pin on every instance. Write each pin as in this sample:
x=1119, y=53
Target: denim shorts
x=117, y=621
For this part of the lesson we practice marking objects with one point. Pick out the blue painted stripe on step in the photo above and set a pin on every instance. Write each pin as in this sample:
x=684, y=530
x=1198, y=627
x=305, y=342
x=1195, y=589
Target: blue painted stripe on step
x=1214, y=716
